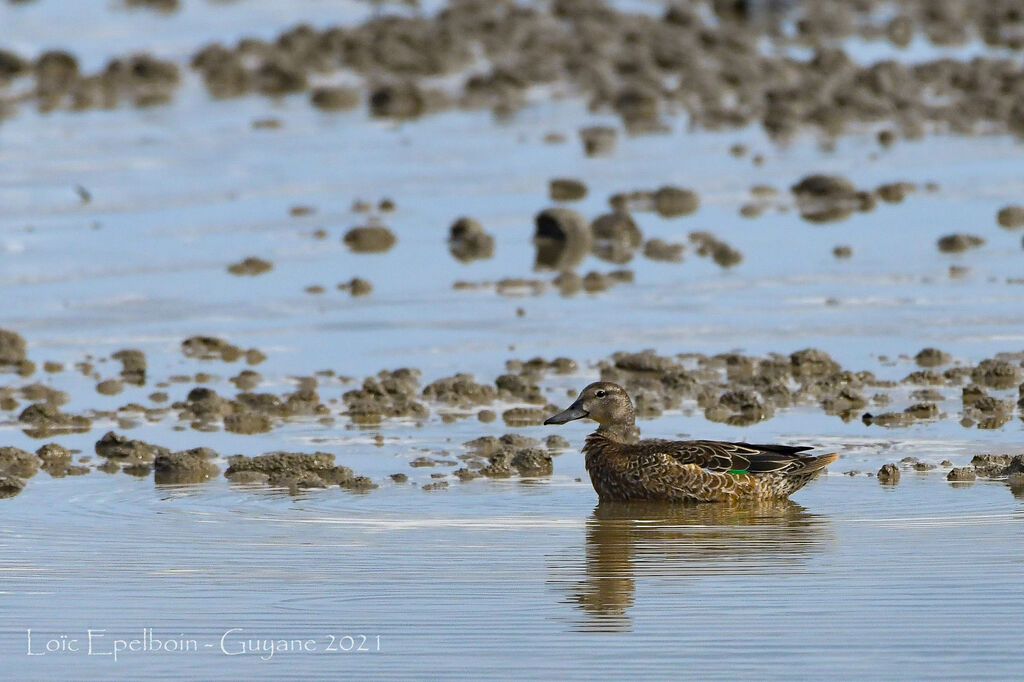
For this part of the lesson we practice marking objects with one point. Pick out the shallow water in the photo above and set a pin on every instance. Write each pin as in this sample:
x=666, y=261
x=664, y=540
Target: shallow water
x=852, y=580
x=488, y=578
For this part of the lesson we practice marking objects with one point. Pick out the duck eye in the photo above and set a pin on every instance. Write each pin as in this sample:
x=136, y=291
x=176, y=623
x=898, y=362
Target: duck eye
x=600, y=394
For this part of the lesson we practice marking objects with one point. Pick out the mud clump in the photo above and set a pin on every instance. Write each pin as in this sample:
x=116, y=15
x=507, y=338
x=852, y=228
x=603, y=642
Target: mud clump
x=556, y=442
x=400, y=100
x=53, y=454
x=721, y=253
x=437, y=485
x=224, y=73
x=889, y=474
x=158, y=5
x=305, y=401
x=524, y=416
x=562, y=239
x=485, y=446
x=844, y=402
x=277, y=76
x=292, y=470
x=246, y=380
x=248, y=477
x=465, y=474
x=811, y=362
x=671, y=202
x=715, y=65
x=210, y=348
x=18, y=463
x=1011, y=217
x=250, y=266
x=594, y=282
x=533, y=462
x=185, y=467
x=568, y=283
x=636, y=200
x=369, y=239
x=890, y=420
x=247, y=423
x=520, y=286
x=117, y=448
x=56, y=461
x=12, y=65
x=617, y=226
x=335, y=98
x=41, y=392
x=740, y=407
x=667, y=201
x=140, y=79
x=358, y=484
x=961, y=475
x=615, y=237
x=565, y=189
x=598, y=140
x=923, y=410
x=660, y=250
x=927, y=394
x=644, y=361
x=752, y=210
x=959, y=242
x=527, y=462
x=829, y=187
x=467, y=241
x=827, y=198
x=10, y=486
x=895, y=192
x=991, y=466
x=388, y=394
x=357, y=286
x=460, y=390
x=1014, y=471
x=12, y=349
x=519, y=387
x=133, y=366
x=109, y=387
x=987, y=411
x=997, y=374
x=924, y=377
x=254, y=356
x=932, y=357
x=204, y=405
x=43, y=420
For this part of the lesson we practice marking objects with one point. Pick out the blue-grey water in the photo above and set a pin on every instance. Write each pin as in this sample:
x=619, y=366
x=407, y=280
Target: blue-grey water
x=491, y=578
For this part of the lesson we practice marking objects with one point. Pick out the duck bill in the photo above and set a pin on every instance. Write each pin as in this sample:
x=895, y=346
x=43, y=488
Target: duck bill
x=574, y=411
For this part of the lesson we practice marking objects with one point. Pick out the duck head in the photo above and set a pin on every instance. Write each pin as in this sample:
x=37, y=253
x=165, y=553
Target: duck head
x=604, y=402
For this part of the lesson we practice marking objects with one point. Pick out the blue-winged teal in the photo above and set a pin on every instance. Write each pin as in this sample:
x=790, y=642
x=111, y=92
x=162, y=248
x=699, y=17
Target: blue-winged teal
x=680, y=470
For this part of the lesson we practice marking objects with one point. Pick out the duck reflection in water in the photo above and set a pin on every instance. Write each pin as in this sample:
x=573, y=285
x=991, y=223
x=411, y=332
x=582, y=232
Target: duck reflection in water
x=631, y=542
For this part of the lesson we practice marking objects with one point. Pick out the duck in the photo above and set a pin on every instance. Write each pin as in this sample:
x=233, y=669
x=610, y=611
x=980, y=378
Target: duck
x=625, y=469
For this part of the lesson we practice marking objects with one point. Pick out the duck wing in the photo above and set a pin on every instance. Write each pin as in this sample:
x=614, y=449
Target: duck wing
x=711, y=455
x=722, y=456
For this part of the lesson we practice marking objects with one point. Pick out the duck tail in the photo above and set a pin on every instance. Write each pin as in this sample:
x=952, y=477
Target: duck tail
x=818, y=463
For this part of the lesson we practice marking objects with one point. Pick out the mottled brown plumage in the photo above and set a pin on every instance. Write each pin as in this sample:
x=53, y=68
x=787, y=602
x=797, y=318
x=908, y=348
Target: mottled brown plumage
x=680, y=470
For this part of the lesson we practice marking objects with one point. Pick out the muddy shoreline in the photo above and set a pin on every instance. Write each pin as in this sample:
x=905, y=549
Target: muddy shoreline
x=729, y=388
